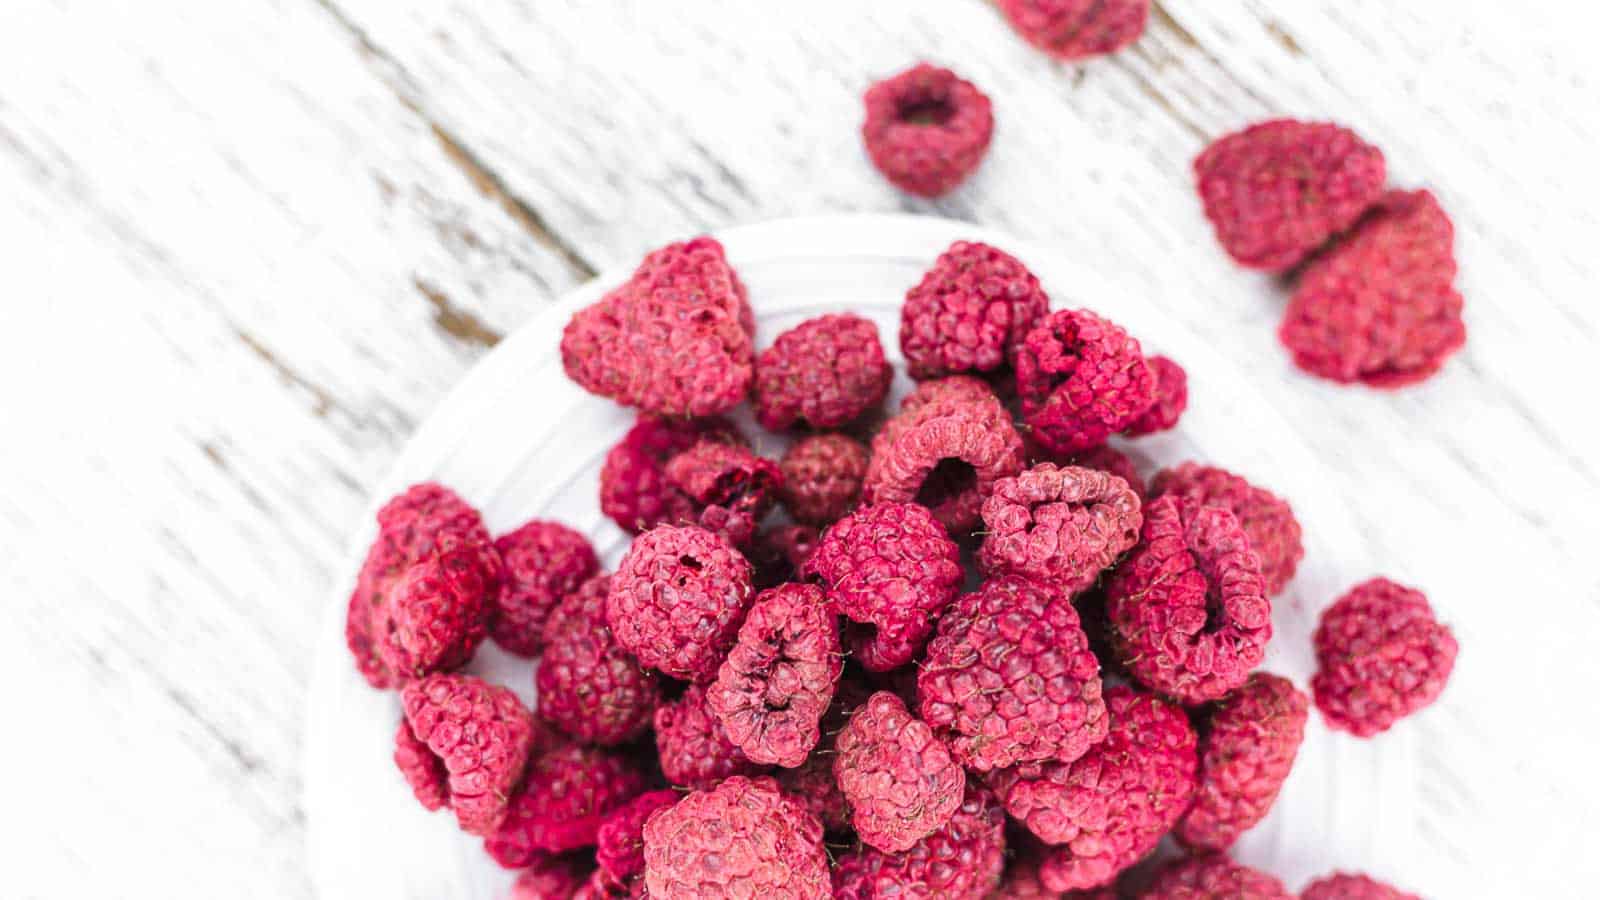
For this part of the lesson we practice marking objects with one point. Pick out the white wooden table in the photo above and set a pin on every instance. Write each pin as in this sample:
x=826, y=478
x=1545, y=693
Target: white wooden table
x=247, y=247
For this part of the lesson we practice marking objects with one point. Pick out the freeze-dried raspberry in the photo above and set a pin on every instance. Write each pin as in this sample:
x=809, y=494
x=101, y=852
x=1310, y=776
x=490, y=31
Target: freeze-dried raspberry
x=900, y=780
x=1061, y=525
x=695, y=750
x=599, y=887
x=822, y=373
x=1188, y=611
x=1214, y=877
x=927, y=129
x=778, y=679
x=1171, y=398
x=436, y=612
x=1267, y=520
x=822, y=477
x=677, y=599
x=589, y=686
x=969, y=313
x=890, y=568
x=731, y=488
x=945, y=450
x=743, y=838
x=960, y=860
x=1111, y=806
x=954, y=390
x=1381, y=656
x=550, y=878
x=1245, y=756
x=1022, y=881
x=1009, y=677
x=1277, y=190
x=619, y=844
x=634, y=490
x=778, y=553
x=1380, y=306
x=479, y=735
x=565, y=795
x=545, y=561
x=813, y=783
x=1342, y=886
x=1078, y=29
x=1112, y=461
x=675, y=339
x=1082, y=379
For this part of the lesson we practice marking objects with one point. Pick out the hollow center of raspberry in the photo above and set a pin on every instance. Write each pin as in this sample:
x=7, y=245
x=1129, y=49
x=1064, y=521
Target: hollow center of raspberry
x=949, y=479
x=926, y=111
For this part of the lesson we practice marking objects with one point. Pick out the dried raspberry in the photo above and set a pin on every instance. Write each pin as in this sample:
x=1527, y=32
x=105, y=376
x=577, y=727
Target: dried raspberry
x=731, y=488
x=589, y=686
x=1082, y=379
x=822, y=477
x=892, y=569
x=599, y=887
x=969, y=313
x=677, y=599
x=1009, y=677
x=927, y=129
x=945, y=450
x=1061, y=525
x=565, y=796
x=778, y=553
x=1112, y=805
x=960, y=860
x=478, y=733
x=619, y=844
x=1172, y=398
x=1022, y=882
x=545, y=561
x=550, y=878
x=1340, y=886
x=742, y=839
x=822, y=373
x=1245, y=756
x=778, y=679
x=695, y=750
x=1077, y=29
x=634, y=490
x=436, y=612
x=673, y=340
x=1381, y=656
x=1108, y=459
x=1267, y=520
x=1189, y=615
x=813, y=783
x=1277, y=190
x=1214, y=877
x=1380, y=305
x=899, y=779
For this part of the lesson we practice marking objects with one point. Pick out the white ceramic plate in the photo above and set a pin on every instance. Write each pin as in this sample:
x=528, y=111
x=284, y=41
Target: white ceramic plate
x=519, y=440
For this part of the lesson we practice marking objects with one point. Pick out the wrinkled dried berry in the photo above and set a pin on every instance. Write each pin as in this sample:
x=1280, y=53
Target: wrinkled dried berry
x=778, y=553
x=731, y=488
x=1060, y=525
x=467, y=743
x=1171, y=399
x=823, y=373
x=1078, y=29
x=677, y=600
x=960, y=860
x=1082, y=379
x=822, y=477
x=544, y=562
x=927, y=129
x=969, y=312
x=1381, y=656
x=1214, y=877
x=565, y=795
x=634, y=490
x=589, y=686
x=742, y=839
x=900, y=781
x=550, y=878
x=1245, y=755
x=1342, y=886
x=695, y=750
x=1267, y=520
x=619, y=844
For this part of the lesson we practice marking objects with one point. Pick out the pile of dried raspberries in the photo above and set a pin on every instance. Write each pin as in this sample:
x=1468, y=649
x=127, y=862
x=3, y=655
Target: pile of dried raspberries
x=928, y=665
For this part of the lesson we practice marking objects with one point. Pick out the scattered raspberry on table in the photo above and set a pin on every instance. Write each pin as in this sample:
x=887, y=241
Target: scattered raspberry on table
x=1381, y=656
x=927, y=129
x=1341, y=886
x=1078, y=29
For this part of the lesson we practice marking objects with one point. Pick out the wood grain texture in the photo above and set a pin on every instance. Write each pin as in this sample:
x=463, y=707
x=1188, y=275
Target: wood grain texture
x=250, y=247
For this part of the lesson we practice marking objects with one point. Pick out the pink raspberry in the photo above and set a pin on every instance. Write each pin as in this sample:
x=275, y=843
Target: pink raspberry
x=731, y=488
x=969, y=313
x=1082, y=379
x=778, y=553
x=1188, y=610
x=743, y=838
x=1267, y=520
x=823, y=373
x=1381, y=656
x=589, y=686
x=812, y=783
x=1106, y=458
x=927, y=129
x=1061, y=525
x=694, y=748
x=634, y=490
x=892, y=569
x=550, y=878
x=822, y=476
x=436, y=612
x=545, y=561
x=565, y=795
x=1341, y=886
x=960, y=860
x=463, y=742
x=900, y=781
x=1214, y=877
x=1277, y=190
x=1077, y=29
x=677, y=599
x=619, y=844
x=1171, y=399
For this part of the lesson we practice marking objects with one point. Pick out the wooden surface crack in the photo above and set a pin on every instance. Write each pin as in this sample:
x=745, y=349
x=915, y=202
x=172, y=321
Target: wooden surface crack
x=455, y=321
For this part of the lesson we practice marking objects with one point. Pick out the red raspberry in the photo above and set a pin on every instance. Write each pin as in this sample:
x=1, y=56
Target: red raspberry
x=1245, y=756
x=1381, y=656
x=822, y=477
x=1082, y=379
x=468, y=741
x=677, y=599
x=927, y=129
x=892, y=569
x=778, y=679
x=1105, y=458
x=1112, y=805
x=1009, y=677
x=1277, y=190
x=619, y=844
x=436, y=612
x=1172, y=398
x=550, y=878
x=731, y=488
x=899, y=779
x=1061, y=525
x=565, y=795
x=1214, y=877
x=545, y=561
x=634, y=490
x=778, y=553
x=813, y=783
x=823, y=373
x=589, y=686
x=1380, y=305
x=599, y=887
x=960, y=860
x=1189, y=615
x=694, y=748
x=1267, y=520
x=969, y=313
x=945, y=450
x=743, y=838
x=1078, y=29
x=1340, y=886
